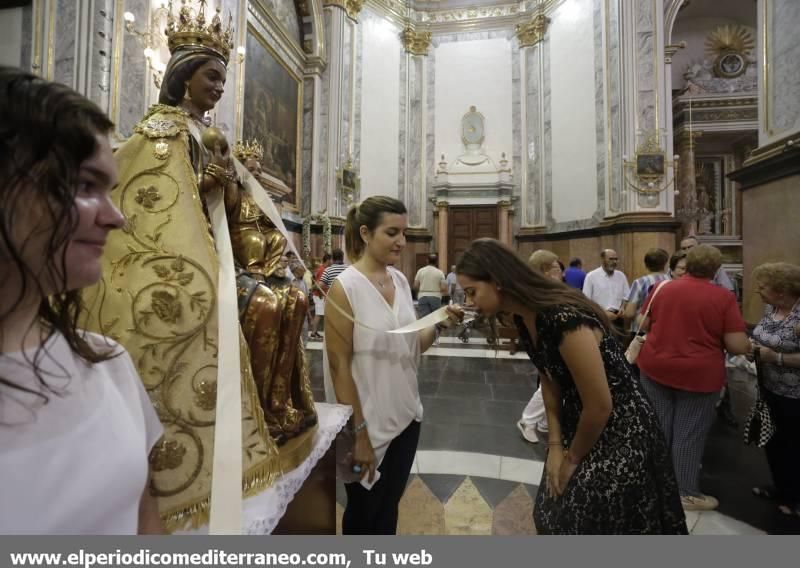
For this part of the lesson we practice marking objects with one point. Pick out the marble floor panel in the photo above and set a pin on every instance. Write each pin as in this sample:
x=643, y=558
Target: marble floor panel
x=471, y=406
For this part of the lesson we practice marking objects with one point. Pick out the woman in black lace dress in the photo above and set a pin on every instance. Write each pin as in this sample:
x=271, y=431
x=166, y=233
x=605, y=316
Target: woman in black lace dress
x=608, y=470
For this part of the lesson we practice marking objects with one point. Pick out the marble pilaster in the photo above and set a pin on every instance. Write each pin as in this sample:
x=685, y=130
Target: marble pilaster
x=346, y=77
x=415, y=137
x=613, y=149
x=337, y=101
x=516, y=113
x=64, y=41
x=533, y=194
x=402, y=194
x=307, y=158
x=320, y=198
x=358, y=87
x=547, y=133
x=130, y=74
x=600, y=107
x=784, y=76
x=430, y=136
x=645, y=63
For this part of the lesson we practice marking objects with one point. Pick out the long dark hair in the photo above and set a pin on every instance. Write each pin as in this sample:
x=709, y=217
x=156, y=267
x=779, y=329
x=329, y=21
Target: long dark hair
x=46, y=131
x=369, y=214
x=489, y=260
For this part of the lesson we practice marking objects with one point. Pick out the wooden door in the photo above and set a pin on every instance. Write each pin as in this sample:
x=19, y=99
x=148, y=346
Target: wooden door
x=467, y=223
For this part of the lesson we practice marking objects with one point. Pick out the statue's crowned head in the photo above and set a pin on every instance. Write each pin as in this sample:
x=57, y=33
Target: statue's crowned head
x=244, y=150
x=189, y=28
x=193, y=42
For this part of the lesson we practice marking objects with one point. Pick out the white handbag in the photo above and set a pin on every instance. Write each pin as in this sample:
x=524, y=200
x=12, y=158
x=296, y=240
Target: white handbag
x=632, y=352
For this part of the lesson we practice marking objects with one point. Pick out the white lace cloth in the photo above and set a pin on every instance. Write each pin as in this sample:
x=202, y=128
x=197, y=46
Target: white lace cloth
x=263, y=511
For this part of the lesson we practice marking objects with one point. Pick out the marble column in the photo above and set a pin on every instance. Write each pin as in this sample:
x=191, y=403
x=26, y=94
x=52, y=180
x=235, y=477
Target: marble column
x=414, y=133
x=642, y=99
x=532, y=80
x=337, y=100
x=441, y=236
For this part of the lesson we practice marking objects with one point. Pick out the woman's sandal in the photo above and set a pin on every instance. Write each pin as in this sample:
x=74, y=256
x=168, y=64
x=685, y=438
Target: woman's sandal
x=768, y=492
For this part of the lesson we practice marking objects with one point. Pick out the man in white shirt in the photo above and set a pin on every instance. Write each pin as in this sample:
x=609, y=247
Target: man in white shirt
x=607, y=286
x=430, y=285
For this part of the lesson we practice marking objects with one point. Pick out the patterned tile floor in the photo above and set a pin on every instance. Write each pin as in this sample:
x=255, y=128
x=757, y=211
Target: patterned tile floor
x=472, y=464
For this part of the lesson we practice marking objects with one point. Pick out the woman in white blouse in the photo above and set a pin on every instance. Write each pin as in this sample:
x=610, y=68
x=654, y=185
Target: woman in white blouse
x=373, y=371
x=76, y=425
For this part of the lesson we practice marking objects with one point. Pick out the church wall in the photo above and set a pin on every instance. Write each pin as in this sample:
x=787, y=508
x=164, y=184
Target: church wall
x=573, y=113
x=473, y=72
x=380, y=106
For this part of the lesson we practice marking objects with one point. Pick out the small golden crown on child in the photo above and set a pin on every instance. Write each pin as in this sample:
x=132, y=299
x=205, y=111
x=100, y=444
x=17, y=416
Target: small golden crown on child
x=191, y=28
x=246, y=149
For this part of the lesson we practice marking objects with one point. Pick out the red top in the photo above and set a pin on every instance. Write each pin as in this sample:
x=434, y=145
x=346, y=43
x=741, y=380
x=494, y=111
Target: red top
x=684, y=347
x=318, y=279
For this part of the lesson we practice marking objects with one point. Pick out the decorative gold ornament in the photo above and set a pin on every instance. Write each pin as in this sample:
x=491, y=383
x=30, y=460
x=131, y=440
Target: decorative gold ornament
x=190, y=28
x=243, y=150
x=533, y=32
x=414, y=42
x=645, y=174
x=348, y=182
x=161, y=149
x=352, y=7
x=730, y=46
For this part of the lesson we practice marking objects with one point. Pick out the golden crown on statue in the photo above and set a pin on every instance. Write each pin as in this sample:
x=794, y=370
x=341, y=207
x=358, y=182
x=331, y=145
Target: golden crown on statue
x=190, y=28
x=246, y=149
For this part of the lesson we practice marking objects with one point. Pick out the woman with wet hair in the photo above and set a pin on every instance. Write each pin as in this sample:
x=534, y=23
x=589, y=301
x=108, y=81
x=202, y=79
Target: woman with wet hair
x=608, y=470
x=76, y=425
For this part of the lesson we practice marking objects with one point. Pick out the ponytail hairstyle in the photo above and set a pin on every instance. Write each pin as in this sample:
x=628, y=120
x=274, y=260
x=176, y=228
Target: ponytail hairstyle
x=369, y=214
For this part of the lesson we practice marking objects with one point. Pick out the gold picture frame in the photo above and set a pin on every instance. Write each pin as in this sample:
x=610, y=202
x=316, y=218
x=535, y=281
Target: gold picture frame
x=272, y=113
x=348, y=183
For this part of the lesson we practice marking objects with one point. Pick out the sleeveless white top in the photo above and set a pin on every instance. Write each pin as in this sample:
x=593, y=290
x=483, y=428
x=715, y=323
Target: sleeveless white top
x=384, y=365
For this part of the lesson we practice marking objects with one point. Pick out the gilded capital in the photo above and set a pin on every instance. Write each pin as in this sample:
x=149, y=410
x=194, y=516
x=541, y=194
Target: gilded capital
x=414, y=42
x=351, y=7
x=533, y=32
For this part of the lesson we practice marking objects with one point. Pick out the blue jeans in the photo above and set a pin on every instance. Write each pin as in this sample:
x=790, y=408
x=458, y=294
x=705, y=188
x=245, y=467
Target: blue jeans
x=428, y=305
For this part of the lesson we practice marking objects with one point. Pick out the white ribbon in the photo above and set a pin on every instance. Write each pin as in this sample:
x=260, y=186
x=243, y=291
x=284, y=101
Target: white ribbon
x=226, y=469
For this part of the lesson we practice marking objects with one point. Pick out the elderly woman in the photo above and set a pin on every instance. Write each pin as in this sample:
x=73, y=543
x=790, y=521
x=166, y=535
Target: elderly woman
x=777, y=337
x=691, y=324
x=534, y=417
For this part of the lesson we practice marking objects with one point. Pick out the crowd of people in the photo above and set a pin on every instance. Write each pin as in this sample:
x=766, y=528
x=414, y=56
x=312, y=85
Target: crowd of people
x=624, y=442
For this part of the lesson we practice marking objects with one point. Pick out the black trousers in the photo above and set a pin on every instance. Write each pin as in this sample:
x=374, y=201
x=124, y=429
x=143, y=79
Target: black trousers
x=374, y=511
x=783, y=449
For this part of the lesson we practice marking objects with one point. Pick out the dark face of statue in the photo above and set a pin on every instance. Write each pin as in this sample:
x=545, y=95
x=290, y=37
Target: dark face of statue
x=207, y=85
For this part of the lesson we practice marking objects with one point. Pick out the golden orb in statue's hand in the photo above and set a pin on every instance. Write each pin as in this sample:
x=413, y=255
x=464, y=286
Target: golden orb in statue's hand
x=213, y=135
